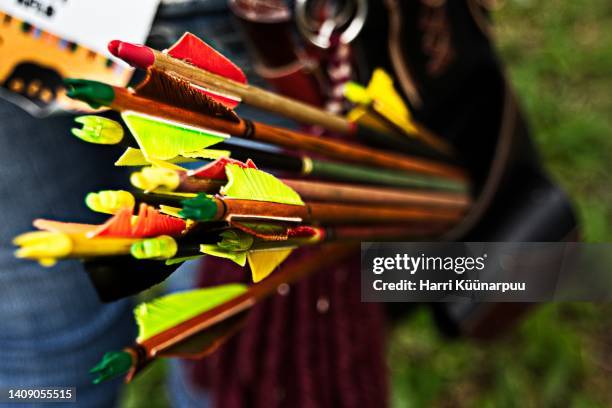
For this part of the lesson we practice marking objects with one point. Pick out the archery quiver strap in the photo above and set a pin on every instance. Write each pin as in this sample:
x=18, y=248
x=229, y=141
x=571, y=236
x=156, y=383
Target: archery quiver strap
x=446, y=66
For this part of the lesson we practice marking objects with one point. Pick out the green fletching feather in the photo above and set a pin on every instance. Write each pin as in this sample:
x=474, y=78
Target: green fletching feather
x=182, y=259
x=164, y=140
x=99, y=130
x=94, y=93
x=235, y=240
x=233, y=246
x=163, y=313
x=213, y=250
x=161, y=248
x=113, y=364
x=200, y=208
x=266, y=229
x=253, y=184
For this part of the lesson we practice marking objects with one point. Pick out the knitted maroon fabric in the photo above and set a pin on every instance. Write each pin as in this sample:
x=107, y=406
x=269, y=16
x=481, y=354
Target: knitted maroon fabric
x=316, y=346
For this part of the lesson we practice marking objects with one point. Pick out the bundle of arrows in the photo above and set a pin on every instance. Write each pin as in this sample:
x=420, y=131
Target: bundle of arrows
x=200, y=189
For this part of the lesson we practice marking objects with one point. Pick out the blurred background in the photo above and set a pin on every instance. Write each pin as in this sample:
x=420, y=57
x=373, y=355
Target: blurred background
x=559, y=58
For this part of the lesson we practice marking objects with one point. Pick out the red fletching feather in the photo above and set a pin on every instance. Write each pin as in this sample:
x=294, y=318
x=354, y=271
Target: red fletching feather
x=225, y=100
x=152, y=223
x=149, y=223
x=303, y=231
x=194, y=51
x=216, y=170
x=119, y=225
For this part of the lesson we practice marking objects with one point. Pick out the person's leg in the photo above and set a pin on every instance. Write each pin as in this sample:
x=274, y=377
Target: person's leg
x=53, y=328
x=181, y=390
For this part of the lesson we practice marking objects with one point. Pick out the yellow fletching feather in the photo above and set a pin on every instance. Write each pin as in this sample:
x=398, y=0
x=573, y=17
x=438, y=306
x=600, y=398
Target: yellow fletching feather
x=357, y=93
x=43, y=246
x=165, y=164
x=389, y=103
x=162, y=139
x=48, y=246
x=180, y=194
x=381, y=90
x=381, y=96
x=364, y=117
x=253, y=184
x=263, y=263
x=172, y=211
x=211, y=154
x=110, y=201
x=155, y=178
x=134, y=157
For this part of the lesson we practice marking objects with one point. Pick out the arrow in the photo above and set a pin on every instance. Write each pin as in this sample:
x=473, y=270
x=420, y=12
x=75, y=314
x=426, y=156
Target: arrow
x=47, y=247
x=211, y=177
x=98, y=94
x=211, y=326
x=193, y=59
x=214, y=74
x=302, y=164
x=260, y=196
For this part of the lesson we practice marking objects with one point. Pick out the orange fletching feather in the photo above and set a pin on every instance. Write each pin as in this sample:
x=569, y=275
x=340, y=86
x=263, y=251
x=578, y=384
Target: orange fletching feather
x=149, y=223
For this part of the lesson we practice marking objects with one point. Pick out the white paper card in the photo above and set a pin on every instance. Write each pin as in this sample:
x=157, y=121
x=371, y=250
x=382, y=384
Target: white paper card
x=91, y=23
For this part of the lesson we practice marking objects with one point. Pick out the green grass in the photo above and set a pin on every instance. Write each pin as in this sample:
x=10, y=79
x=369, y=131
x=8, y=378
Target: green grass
x=148, y=390
x=559, y=55
x=559, y=58
x=557, y=358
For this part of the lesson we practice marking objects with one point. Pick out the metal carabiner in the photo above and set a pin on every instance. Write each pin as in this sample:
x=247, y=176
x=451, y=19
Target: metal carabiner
x=320, y=34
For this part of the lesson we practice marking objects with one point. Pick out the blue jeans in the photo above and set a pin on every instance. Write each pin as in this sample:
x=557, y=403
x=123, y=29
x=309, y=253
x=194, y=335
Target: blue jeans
x=53, y=329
